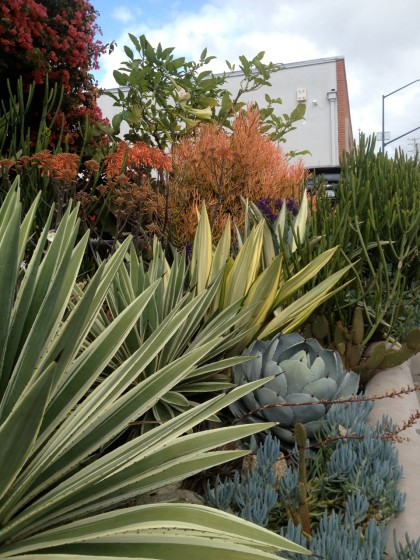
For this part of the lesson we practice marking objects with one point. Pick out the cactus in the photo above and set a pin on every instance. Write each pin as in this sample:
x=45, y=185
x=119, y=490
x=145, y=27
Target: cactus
x=375, y=359
x=384, y=358
x=412, y=340
x=350, y=344
x=320, y=327
x=358, y=327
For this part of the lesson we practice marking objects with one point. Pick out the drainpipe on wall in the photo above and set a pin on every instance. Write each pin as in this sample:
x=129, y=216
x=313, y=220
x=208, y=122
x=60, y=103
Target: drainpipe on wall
x=332, y=98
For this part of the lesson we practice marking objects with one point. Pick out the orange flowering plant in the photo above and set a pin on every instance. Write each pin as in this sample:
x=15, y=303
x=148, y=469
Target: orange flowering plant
x=131, y=191
x=121, y=193
x=222, y=168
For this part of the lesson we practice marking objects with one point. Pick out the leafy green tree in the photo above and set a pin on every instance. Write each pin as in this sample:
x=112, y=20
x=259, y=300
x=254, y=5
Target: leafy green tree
x=162, y=97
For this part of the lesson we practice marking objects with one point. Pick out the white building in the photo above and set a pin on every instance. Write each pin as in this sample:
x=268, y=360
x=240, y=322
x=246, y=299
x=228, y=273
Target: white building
x=326, y=131
x=321, y=85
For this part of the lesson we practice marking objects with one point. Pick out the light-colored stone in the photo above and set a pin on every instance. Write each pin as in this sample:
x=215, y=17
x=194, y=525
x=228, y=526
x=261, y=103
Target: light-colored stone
x=400, y=409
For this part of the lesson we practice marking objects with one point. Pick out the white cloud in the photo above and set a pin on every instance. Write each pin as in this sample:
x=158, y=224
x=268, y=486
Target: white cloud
x=377, y=38
x=122, y=14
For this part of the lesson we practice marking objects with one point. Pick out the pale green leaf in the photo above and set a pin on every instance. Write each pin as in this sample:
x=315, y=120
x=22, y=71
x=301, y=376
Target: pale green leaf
x=304, y=275
x=245, y=267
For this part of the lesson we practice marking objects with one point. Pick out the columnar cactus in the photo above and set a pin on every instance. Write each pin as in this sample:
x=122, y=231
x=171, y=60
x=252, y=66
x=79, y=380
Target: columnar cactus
x=304, y=373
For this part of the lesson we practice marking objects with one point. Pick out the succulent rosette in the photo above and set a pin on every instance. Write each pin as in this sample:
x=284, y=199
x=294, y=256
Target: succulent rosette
x=304, y=372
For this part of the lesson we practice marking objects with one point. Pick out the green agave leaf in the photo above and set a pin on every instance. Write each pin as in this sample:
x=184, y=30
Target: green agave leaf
x=220, y=365
x=87, y=367
x=176, y=280
x=130, y=484
x=65, y=556
x=21, y=306
x=75, y=330
x=201, y=258
x=9, y=205
x=176, y=398
x=245, y=267
x=307, y=312
x=305, y=305
x=263, y=291
x=132, y=452
x=205, y=386
x=9, y=254
x=102, y=415
x=198, y=307
x=268, y=249
x=221, y=253
x=280, y=223
x=18, y=432
x=26, y=227
x=299, y=226
x=44, y=326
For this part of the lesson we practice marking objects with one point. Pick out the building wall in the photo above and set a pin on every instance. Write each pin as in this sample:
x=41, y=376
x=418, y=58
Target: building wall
x=326, y=130
x=319, y=132
x=345, y=132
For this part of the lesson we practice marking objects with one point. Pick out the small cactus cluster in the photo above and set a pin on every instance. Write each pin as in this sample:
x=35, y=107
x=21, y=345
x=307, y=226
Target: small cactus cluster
x=351, y=344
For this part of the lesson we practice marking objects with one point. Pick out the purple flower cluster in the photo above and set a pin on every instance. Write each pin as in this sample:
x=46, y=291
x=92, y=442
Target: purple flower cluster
x=271, y=207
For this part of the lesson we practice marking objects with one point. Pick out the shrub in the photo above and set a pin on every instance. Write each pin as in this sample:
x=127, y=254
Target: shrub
x=54, y=39
x=65, y=478
x=221, y=167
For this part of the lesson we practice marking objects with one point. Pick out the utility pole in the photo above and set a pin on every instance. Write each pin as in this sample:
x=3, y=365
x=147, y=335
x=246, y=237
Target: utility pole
x=383, y=116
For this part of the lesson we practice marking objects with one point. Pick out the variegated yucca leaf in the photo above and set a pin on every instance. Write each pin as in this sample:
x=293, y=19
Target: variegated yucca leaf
x=66, y=470
x=254, y=276
x=169, y=301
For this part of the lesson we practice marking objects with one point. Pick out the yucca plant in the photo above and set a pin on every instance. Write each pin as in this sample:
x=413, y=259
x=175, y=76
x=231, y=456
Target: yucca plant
x=233, y=292
x=255, y=276
x=62, y=484
x=170, y=297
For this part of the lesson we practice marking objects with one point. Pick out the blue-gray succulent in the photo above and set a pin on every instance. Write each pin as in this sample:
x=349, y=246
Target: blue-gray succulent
x=304, y=371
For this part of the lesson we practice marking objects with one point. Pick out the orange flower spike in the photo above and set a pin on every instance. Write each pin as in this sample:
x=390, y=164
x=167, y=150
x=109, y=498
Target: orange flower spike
x=92, y=165
x=6, y=164
x=115, y=162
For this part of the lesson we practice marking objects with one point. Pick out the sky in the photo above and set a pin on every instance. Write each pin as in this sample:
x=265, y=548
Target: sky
x=379, y=40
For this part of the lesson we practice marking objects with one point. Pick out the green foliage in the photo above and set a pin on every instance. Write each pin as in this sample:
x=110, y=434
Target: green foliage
x=171, y=299
x=166, y=96
x=351, y=484
x=16, y=136
x=64, y=471
x=376, y=222
x=255, y=275
x=221, y=294
x=19, y=143
x=163, y=97
x=349, y=343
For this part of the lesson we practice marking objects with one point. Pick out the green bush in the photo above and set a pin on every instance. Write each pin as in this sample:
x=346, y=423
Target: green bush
x=376, y=222
x=66, y=482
